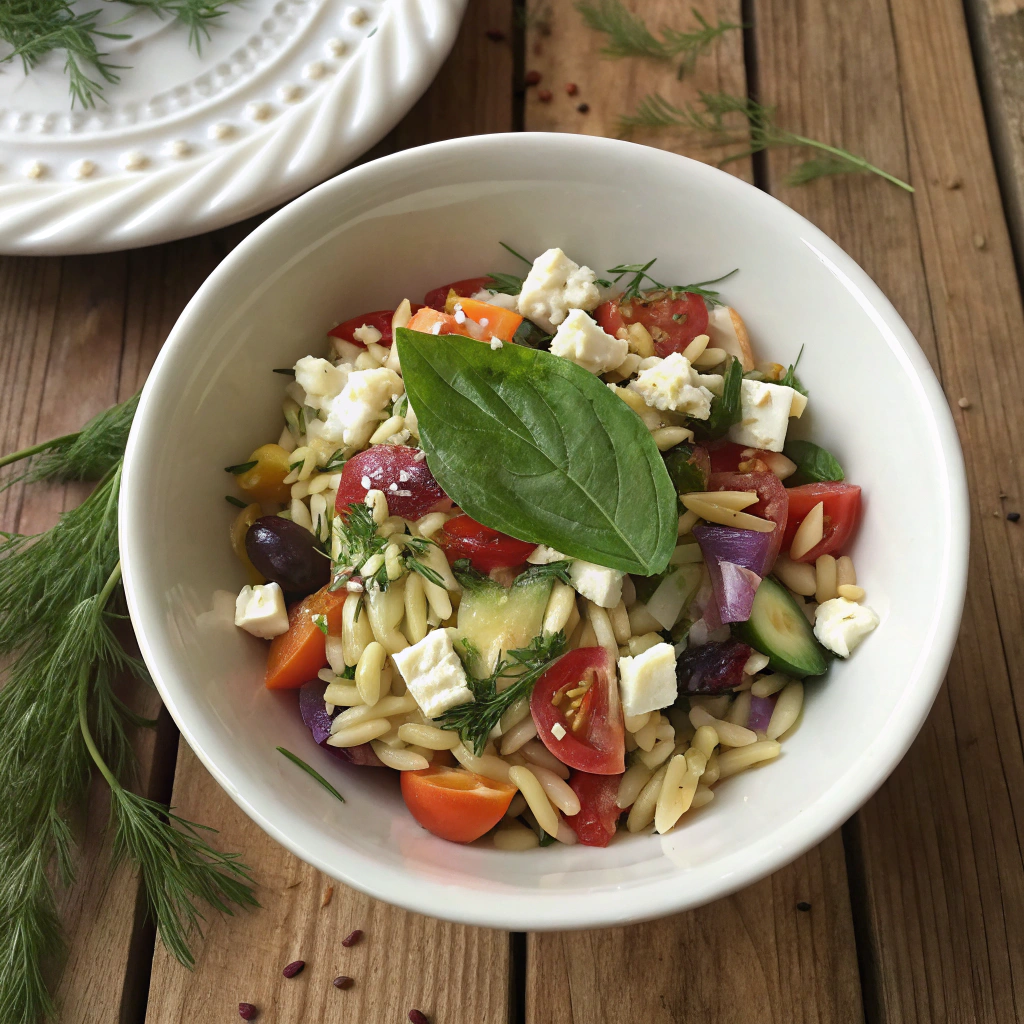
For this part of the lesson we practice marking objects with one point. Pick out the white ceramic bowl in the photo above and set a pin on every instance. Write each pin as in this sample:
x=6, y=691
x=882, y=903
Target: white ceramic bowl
x=409, y=222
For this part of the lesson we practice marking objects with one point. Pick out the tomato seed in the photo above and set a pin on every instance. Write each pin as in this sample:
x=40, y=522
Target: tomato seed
x=295, y=967
x=418, y=1017
x=343, y=981
x=352, y=938
x=532, y=77
x=571, y=88
x=544, y=95
x=247, y=1011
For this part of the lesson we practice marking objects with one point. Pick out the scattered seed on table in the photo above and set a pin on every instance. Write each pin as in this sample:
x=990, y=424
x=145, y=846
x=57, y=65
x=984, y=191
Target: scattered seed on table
x=352, y=938
x=571, y=88
x=532, y=77
x=328, y=896
x=247, y=1011
x=964, y=403
x=343, y=981
x=584, y=108
x=295, y=967
x=804, y=906
x=495, y=35
x=1014, y=517
x=418, y=1017
x=954, y=183
x=979, y=241
x=544, y=95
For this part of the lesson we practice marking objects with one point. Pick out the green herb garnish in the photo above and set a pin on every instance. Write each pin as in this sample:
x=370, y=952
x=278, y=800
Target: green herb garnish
x=335, y=462
x=320, y=621
x=540, y=449
x=726, y=120
x=237, y=502
x=285, y=371
x=634, y=288
x=814, y=464
x=243, y=467
x=523, y=666
x=725, y=408
x=506, y=284
x=309, y=770
x=790, y=379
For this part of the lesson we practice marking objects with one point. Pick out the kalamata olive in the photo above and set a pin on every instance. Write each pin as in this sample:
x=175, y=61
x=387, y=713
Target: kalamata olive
x=287, y=554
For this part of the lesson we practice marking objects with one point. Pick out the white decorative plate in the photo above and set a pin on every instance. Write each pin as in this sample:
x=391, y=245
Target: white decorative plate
x=285, y=93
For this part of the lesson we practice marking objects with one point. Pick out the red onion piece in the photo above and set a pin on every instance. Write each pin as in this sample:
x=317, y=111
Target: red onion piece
x=318, y=721
x=761, y=709
x=748, y=548
x=734, y=587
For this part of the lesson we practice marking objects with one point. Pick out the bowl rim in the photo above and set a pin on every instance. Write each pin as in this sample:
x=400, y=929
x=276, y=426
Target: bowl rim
x=653, y=898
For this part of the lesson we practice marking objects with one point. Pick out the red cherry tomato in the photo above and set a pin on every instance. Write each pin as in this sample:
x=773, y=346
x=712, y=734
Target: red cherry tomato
x=672, y=322
x=381, y=319
x=487, y=549
x=407, y=482
x=594, y=739
x=842, y=515
x=773, y=500
x=455, y=804
x=599, y=813
x=468, y=287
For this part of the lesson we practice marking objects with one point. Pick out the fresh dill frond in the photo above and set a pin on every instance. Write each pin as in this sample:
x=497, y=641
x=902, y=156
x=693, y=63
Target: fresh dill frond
x=415, y=565
x=635, y=286
x=518, y=255
x=506, y=284
x=725, y=120
x=629, y=36
x=311, y=771
x=196, y=15
x=523, y=667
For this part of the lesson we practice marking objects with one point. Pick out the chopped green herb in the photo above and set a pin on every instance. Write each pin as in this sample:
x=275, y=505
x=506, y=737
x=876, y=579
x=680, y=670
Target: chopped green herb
x=286, y=371
x=320, y=621
x=725, y=409
x=242, y=467
x=336, y=461
x=506, y=284
x=634, y=288
x=814, y=464
x=518, y=255
x=790, y=379
x=237, y=502
x=295, y=759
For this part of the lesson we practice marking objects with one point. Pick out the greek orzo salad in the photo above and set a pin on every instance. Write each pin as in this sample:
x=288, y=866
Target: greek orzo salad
x=542, y=546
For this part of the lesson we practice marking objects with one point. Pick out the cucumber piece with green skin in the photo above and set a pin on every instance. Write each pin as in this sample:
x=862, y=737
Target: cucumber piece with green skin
x=494, y=619
x=778, y=628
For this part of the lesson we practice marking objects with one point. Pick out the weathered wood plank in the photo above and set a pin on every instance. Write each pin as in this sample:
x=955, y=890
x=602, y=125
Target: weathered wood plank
x=752, y=956
x=939, y=880
x=461, y=974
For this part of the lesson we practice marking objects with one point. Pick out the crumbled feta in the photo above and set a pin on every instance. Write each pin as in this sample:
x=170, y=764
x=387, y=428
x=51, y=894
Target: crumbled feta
x=648, y=681
x=840, y=624
x=345, y=351
x=357, y=411
x=260, y=610
x=558, y=731
x=497, y=299
x=433, y=673
x=367, y=335
x=764, y=415
x=671, y=384
x=496, y=343
x=320, y=379
x=555, y=285
x=364, y=482
x=580, y=339
x=596, y=583
x=542, y=555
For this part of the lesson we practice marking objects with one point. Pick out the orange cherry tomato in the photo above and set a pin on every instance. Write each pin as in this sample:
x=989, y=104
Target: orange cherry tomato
x=427, y=319
x=296, y=656
x=500, y=323
x=265, y=481
x=455, y=804
x=437, y=297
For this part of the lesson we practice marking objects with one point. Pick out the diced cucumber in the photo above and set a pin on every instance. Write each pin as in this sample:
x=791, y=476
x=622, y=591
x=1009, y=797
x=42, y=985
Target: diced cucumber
x=674, y=593
x=495, y=619
x=777, y=628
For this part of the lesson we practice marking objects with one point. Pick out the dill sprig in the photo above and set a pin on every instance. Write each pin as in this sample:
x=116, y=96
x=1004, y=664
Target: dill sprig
x=60, y=716
x=33, y=28
x=523, y=667
x=629, y=36
x=635, y=286
x=725, y=120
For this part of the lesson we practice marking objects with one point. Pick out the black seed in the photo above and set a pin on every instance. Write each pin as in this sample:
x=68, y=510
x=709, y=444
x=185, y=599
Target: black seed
x=804, y=906
x=583, y=108
x=1014, y=517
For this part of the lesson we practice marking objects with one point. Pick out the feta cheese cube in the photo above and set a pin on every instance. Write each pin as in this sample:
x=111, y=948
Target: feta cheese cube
x=260, y=610
x=840, y=624
x=672, y=385
x=354, y=414
x=764, y=415
x=320, y=379
x=580, y=339
x=543, y=555
x=498, y=299
x=648, y=681
x=597, y=583
x=433, y=673
x=558, y=731
x=555, y=285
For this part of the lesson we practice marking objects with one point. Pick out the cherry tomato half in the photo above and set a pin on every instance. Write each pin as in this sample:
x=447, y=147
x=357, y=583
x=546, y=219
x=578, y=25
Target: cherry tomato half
x=296, y=656
x=468, y=287
x=599, y=813
x=487, y=549
x=455, y=804
x=594, y=739
x=773, y=500
x=381, y=319
x=406, y=481
x=842, y=514
x=673, y=321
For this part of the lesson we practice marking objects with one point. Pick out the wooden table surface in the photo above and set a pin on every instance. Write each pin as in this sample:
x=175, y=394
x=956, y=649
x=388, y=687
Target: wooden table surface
x=917, y=904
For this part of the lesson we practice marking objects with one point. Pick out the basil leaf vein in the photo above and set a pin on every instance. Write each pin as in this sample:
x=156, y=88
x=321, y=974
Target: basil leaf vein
x=537, y=447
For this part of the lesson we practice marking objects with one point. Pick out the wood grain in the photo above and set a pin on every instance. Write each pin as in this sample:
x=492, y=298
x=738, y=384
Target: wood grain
x=939, y=885
x=752, y=956
x=454, y=974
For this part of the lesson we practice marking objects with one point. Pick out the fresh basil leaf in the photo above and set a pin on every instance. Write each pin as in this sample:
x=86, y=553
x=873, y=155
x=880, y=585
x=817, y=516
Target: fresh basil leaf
x=535, y=446
x=725, y=409
x=689, y=466
x=813, y=463
x=532, y=336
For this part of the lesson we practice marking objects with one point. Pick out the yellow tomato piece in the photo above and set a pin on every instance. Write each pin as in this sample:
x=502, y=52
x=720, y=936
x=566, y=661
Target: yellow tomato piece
x=265, y=481
x=239, y=528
